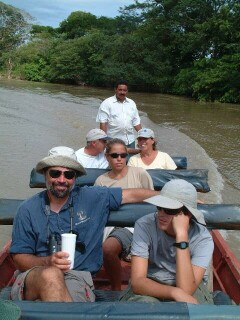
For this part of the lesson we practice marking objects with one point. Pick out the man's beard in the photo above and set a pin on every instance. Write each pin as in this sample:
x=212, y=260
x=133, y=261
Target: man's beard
x=59, y=193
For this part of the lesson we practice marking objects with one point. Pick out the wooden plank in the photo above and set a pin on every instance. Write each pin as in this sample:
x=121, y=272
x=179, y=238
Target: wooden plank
x=226, y=268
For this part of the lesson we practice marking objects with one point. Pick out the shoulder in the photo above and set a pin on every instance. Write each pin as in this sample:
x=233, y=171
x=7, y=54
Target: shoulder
x=136, y=156
x=80, y=152
x=32, y=201
x=133, y=160
x=102, y=179
x=108, y=100
x=31, y=206
x=137, y=170
x=200, y=232
x=98, y=190
x=162, y=154
x=128, y=100
x=146, y=221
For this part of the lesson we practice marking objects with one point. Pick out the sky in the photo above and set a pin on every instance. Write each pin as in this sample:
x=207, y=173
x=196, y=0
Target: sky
x=52, y=12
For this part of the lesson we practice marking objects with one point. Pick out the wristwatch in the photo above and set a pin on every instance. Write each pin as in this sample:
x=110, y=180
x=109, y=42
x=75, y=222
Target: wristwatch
x=181, y=245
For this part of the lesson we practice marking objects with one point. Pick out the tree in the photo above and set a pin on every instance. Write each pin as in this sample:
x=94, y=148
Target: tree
x=14, y=30
x=78, y=24
x=14, y=27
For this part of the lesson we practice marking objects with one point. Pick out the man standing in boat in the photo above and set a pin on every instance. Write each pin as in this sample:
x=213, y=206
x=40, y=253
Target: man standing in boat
x=171, y=249
x=118, y=116
x=63, y=208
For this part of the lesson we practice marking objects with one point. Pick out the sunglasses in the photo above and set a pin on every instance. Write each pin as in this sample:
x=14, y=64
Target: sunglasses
x=57, y=173
x=116, y=155
x=171, y=212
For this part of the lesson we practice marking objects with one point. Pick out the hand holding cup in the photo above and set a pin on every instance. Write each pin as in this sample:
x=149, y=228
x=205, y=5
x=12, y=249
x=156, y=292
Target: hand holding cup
x=68, y=245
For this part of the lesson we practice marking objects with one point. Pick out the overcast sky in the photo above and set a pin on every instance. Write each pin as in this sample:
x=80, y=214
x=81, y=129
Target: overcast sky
x=52, y=12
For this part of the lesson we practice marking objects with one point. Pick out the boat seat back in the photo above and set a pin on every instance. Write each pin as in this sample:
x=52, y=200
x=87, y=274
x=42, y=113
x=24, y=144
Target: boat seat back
x=198, y=177
x=217, y=216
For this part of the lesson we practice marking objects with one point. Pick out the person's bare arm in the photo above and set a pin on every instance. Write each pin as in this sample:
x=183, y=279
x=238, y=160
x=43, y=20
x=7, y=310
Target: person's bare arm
x=144, y=286
x=103, y=126
x=133, y=150
x=24, y=261
x=137, y=195
x=188, y=276
x=138, y=127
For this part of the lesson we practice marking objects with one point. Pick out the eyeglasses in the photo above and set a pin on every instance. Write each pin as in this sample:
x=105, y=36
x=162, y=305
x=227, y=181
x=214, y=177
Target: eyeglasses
x=171, y=212
x=116, y=155
x=57, y=173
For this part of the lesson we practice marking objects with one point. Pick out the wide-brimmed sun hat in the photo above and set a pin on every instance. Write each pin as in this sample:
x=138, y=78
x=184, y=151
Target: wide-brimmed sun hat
x=176, y=194
x=145, y=133
x=61, y=157
x=96, y=134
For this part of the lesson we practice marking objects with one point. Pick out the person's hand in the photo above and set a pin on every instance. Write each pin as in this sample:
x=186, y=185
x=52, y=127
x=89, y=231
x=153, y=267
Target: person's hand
x=180, y=223
x=60, y=260
x=181, y=296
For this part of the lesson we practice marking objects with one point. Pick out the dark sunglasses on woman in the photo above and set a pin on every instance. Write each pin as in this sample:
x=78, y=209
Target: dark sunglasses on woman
x=116, y=155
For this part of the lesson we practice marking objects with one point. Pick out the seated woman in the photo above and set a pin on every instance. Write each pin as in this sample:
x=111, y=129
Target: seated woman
x=149, y=157
x=117, y=241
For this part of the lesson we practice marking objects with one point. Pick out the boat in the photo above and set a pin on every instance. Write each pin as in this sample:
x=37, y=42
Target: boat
x=225, y=271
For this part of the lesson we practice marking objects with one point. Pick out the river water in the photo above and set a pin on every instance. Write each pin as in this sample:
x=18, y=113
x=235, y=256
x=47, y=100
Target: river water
x=34, y=117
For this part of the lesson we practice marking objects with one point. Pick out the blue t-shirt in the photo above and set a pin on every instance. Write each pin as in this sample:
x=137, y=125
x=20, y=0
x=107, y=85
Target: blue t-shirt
x=90, y=206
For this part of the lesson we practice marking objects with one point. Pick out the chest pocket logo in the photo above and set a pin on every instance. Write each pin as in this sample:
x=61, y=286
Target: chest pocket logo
x=81, y=215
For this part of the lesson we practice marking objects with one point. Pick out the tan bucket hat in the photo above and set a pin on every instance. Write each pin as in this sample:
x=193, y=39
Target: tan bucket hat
x=61, y=157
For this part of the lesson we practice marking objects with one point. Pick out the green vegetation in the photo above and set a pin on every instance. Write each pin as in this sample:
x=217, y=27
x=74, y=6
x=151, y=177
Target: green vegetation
x=184, y=47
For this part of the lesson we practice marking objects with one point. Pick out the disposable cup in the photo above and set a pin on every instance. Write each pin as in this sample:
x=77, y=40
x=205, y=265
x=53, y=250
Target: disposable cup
x=68, y=245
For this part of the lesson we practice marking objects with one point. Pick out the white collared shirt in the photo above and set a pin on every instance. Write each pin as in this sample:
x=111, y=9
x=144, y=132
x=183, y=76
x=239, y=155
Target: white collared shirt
x=88, y=161
x=121, y=118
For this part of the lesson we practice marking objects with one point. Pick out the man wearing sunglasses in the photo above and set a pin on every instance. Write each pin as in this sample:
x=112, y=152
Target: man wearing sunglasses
x=93, y=156
x=118, y=116
x=171, y=249
x=43, y=271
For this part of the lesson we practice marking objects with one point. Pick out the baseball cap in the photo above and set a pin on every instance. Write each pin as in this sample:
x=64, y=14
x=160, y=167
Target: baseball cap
x=96, y=134
x=145, y=133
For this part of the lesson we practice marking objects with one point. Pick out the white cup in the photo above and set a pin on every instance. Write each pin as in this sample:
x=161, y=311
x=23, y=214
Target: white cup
x=68, y=245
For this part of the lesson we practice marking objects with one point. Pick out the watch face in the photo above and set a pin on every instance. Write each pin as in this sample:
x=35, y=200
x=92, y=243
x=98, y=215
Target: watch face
x=181, y=245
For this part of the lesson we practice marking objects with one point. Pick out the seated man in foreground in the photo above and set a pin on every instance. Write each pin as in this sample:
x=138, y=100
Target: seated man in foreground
x=44, y=274
x=171, y=249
